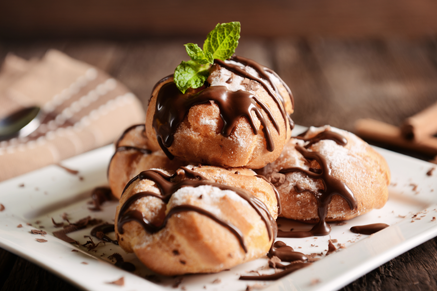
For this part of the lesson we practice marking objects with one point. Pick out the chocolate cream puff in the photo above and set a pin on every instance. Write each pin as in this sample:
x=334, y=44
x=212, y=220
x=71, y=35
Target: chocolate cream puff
x=327, y=174
x=239, y=118
x=199, y=220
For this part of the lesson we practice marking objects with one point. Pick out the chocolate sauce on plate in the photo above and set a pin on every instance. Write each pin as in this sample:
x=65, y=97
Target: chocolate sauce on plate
x=369, y=228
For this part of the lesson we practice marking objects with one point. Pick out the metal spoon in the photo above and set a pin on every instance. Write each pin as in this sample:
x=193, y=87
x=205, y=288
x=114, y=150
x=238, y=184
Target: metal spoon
x=21, y=123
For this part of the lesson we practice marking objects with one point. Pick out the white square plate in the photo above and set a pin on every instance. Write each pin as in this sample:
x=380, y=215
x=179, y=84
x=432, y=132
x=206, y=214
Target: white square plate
x=49, y=192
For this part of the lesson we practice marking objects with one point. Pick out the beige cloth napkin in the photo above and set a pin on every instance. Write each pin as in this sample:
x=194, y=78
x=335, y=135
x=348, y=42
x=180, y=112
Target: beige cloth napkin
x=85, y=109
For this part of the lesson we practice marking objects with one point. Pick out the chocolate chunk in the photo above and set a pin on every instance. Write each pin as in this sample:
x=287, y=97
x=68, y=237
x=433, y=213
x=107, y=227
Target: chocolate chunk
x=90, y=244
x=2, y=207
x=217, y=281
x=331, y=247
x=56, y=224
x=99, y=196
x=19, y=226
x=40, y=240
x=38, y=231
x=119, y=282
x=177, y=282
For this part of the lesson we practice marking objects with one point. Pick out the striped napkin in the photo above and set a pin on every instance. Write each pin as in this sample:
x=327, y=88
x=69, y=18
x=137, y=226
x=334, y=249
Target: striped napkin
x=84, y=109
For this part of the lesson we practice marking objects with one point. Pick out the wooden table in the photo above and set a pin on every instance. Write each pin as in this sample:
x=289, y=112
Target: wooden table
x=334, y=82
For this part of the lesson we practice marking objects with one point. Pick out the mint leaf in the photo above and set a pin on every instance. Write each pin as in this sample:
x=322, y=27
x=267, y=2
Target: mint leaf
x=190, y=75
x=196, y=54
x=223, y=40
x=219, y=44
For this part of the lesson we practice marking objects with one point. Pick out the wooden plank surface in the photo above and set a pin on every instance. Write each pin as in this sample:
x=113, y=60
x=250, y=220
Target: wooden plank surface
x=274, y=18
x=334, y=82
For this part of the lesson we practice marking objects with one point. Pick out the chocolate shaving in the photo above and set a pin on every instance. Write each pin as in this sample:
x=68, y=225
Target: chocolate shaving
x=341, y=246
x=40, y=240
x=217, y=281
x=74, y=251
x=84, y=263
x=430, y=171
x=2, y=207
x=331, y=247
x=119, y=262
x=433, y=218
x=90, y=244
x=119, y=282
x=56, y=224
x=80, y=224
x=314, y=282
x=254, y=286
x=19, y=226
x=414, y=186
x=38, y=231
x=341, y=223
x=177, y=282
x=21, y=185
x=64, y=216
x=70, y=171
x=99, y=196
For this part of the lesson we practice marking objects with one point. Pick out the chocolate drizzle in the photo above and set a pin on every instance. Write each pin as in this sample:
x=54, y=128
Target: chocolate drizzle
x=332, y=186
x=369, y=228
x=167, y=187
x=117, y=144
x=172, y=107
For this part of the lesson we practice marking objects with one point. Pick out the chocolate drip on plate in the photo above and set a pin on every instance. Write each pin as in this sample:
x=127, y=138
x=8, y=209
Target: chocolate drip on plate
x=369, y=228
x=293, y=267
x=286, y=253
x=332, y=186
x=172, y=107
x=168, y=187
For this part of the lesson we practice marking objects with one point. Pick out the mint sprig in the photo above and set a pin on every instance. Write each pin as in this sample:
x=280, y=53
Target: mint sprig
x=219, y=44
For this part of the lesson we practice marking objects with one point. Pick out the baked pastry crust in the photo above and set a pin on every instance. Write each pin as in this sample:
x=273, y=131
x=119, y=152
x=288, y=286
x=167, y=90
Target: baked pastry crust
x=199, y=138
x=191, y=242
x=132, y=155
x=361, y=168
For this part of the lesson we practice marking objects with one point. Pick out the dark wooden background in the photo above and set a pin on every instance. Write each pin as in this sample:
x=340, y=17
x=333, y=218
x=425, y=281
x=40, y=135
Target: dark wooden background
x=343, y=60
